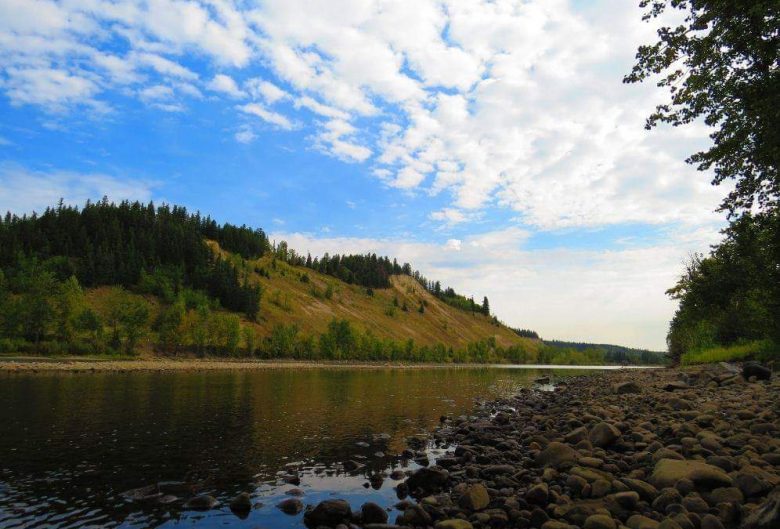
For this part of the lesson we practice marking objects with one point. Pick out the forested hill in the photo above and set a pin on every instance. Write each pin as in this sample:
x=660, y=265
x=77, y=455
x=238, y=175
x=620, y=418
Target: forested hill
x=614, y=354
x=133, y=277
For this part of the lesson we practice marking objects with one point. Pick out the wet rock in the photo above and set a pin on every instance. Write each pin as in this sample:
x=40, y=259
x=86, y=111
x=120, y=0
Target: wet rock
x=427, y=480
x=353, y=466
x=148, y=492
x=397, y=475
x=475, y=498
x=290, y=506
x=204, y=502
x=603, y=434
x=329, y=513
x=373, y=513
x=556, y=455
x=241, y=503
x=668, y=471
x=295, y=492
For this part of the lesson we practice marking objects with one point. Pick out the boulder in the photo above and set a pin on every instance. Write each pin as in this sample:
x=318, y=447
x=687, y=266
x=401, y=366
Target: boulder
x=556, y=455
x=638, y=521
x=474, y=498
x=755, y=369
x=603, y=435
x=599, y=521
x=538, y=494
x=623, y=388
x=427, y=480
x=667, y=472
x=373, y=513
x=290, y=506
x=241, y=503
x=329, y=513
x=204, y=502
x=415, y=516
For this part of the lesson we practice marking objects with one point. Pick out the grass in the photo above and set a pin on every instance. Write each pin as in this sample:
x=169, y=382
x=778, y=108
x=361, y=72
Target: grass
x=755, y=350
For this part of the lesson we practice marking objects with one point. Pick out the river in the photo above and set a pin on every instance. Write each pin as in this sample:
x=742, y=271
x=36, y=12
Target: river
x=72, y=444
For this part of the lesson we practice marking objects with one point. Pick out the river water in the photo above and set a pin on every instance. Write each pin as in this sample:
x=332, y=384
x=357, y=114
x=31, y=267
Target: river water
x=72, y=444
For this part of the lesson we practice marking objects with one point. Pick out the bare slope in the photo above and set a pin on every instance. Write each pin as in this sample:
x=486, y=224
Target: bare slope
x=299, y=295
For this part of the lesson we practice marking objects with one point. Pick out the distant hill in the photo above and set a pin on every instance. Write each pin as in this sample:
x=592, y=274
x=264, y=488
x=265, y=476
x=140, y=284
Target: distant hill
x=614, y=354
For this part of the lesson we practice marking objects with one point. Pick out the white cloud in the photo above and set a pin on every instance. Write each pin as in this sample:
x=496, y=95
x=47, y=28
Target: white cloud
x=245, y=135
x=260, y=88
x=600, y=296
x=266, y=115
x=226, y=85
x=23, y=190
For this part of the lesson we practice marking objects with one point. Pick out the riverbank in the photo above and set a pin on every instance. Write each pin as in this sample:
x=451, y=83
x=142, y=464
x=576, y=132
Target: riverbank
x=669, y=449
x=28, y=364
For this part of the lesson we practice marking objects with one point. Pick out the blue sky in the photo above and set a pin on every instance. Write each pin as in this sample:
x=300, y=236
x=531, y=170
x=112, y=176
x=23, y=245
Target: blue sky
x=491, y=144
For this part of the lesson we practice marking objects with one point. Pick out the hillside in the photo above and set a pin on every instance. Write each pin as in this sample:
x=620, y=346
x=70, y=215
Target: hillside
x=136, y=279
x=287, y=299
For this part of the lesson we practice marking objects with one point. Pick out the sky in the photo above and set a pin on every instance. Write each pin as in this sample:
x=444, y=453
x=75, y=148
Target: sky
x=492, y=144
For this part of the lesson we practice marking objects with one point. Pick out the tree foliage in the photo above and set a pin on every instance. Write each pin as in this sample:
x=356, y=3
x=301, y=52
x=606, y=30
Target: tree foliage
x=721, y=65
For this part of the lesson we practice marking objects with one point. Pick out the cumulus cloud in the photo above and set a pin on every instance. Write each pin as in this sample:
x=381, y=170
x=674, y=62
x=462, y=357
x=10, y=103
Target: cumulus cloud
x=23, y=190
x=490, y=103
x=226, y=85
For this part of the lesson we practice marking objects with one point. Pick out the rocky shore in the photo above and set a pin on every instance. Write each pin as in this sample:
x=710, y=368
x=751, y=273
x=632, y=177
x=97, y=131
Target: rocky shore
x=661, y=449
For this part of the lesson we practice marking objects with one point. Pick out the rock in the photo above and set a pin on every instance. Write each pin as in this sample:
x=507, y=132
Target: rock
x=599, y=521
x=755, y=369
x=373, y=513
x=454, y=523
x=537, y=494
x=709, y=521
x=638, y=521
x=290, y=506
x=329, y=513
x=665, y=453
x=427, y=480
x=241, y=503
x=645, y=490
x=416, y=517
x=353, y=466
x=666, y=497
x=576, y=435
x=675, y=386
x=603, y=434
x=624, y=500
x=766, y=515
x=668, y=471
x=149, y=492
x=397, y=475
x=295, y=492
x=556, y=455
x=750, y=484
x=555, y=524
x=204, y=502
x=542, y=380
x=623, y=388
x=727, y=495
x=474, y=498
x=669, y=523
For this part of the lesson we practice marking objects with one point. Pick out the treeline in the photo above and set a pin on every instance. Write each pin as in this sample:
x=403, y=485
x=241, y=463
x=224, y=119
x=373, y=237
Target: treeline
x=105, y=243
x=732, y=296
x=614, y=354
x=372, y=271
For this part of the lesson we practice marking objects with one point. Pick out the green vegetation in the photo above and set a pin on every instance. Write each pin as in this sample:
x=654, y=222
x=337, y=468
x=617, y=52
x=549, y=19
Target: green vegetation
x=720, y=65
x=756, y=350
x=611, y=354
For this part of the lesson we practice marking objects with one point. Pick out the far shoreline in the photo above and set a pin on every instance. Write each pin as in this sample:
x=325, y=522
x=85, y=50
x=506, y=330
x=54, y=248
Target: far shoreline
x=34, y=364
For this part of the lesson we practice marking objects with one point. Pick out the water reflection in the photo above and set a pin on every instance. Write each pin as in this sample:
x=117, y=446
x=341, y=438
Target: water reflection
x=72, y=443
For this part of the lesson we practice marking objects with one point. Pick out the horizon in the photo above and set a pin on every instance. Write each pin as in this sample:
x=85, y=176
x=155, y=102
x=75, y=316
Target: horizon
x=494, y=149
